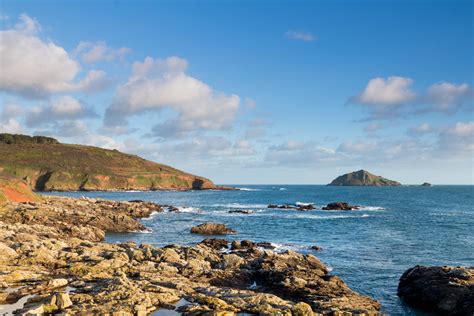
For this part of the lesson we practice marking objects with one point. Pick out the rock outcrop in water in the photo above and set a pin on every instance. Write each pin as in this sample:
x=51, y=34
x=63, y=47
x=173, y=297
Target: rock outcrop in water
x=362, y=178
x=340, y=206
x=47, y=165
x=444, y=290
x=52, y=247
x=426, y=184
x=212, y=229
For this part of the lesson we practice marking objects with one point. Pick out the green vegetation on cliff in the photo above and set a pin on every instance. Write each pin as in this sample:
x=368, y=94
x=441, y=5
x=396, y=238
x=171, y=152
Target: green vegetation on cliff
x=45, y=164
x=362, y=178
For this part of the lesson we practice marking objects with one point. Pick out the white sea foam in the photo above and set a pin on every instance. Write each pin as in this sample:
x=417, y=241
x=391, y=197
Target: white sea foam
x=303, y=203
x=238, y=205
x=371, y=208
x=152, y=215
x=282, y=189
x=248, y=189
x=189, y=209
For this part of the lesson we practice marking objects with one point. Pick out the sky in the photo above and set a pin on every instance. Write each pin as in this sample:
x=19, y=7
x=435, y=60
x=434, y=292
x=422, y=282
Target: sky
x=249, y=92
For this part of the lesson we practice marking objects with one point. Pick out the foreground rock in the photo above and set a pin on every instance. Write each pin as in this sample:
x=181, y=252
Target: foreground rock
x=44, y=256
x=362, y=178
x=212, y=229
x=340, y=206
x=445, y=290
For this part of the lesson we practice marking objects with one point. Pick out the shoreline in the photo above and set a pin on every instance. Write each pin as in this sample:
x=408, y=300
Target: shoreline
x=67, y=237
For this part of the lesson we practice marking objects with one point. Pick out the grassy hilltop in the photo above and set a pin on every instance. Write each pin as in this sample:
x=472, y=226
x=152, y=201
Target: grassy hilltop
x=45, y=165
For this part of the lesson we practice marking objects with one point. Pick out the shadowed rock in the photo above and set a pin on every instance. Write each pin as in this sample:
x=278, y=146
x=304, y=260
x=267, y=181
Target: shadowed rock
x=445, y=290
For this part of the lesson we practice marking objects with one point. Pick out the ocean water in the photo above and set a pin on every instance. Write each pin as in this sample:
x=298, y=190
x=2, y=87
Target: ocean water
x=396, y=228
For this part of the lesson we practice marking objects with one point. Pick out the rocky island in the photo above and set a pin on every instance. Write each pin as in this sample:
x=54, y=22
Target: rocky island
x=48, y=165
x=55, y=260
x=362, y=178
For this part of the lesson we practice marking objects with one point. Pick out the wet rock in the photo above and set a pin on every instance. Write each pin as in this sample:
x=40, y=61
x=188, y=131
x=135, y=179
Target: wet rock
x=212, y=229
x=265, y=245
x=316, y=248
x=215, y=243
x=298, y=206
x=444, y=290
x=340, y=206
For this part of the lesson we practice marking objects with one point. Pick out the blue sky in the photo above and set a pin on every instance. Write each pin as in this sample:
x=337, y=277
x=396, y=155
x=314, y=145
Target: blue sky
x=247, y=91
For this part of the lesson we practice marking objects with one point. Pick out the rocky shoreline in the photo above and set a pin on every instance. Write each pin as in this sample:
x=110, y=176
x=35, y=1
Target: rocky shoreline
x=54, y=255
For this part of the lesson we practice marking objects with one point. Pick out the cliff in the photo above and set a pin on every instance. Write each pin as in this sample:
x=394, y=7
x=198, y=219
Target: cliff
x=362, y=178
x=46, y=165
x=15, y=190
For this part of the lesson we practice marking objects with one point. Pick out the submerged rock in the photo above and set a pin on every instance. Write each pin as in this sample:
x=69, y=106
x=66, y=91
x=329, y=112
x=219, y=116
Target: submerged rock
x=445, y=290
x=212, y=229
x=340, y=206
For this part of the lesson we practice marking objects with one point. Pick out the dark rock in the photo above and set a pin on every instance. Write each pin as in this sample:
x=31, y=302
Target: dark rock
x=316, y=248
x=212, y=229
x=244, y=244
x=426, y=184
x=241, y=211
x=444, y=290
x=265, y=245
x=340, y=206
x=299, y=207
x=215, y=243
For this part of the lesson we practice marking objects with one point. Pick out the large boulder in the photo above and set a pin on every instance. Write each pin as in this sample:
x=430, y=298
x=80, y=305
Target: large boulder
x=212, y=229
x=444, y=290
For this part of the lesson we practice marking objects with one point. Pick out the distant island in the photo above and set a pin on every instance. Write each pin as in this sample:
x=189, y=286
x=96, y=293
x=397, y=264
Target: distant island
x=47, y=165
x=362, y=178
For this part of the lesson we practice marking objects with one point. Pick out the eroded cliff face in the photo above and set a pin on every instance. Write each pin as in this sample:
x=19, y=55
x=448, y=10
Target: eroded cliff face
x=48, y=166
x=46, y=180
x=15, y=190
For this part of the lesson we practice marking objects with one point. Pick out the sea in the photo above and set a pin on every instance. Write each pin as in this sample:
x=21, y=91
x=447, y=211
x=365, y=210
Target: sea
x=396, y=227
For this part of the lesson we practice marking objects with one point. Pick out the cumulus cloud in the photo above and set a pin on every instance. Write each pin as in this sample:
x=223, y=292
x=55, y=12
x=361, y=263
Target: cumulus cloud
x=35, y=68
x=300, y=36
x=61, y=108
x=448, y=97
x=390, y=97
x=384, y=96
x=91, y=52
x=157, y=84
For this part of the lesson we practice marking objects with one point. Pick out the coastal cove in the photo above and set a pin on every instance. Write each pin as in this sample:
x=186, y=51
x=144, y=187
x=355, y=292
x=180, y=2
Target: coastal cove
x=395, y=228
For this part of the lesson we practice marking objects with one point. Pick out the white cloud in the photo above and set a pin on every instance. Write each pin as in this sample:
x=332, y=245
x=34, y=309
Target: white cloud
x=381, y=93
x=447, y=97
x=91, y=52
x=10, y=126
x=35, y=68
x=156, y=84
x=60, y=108
x=300, y=36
